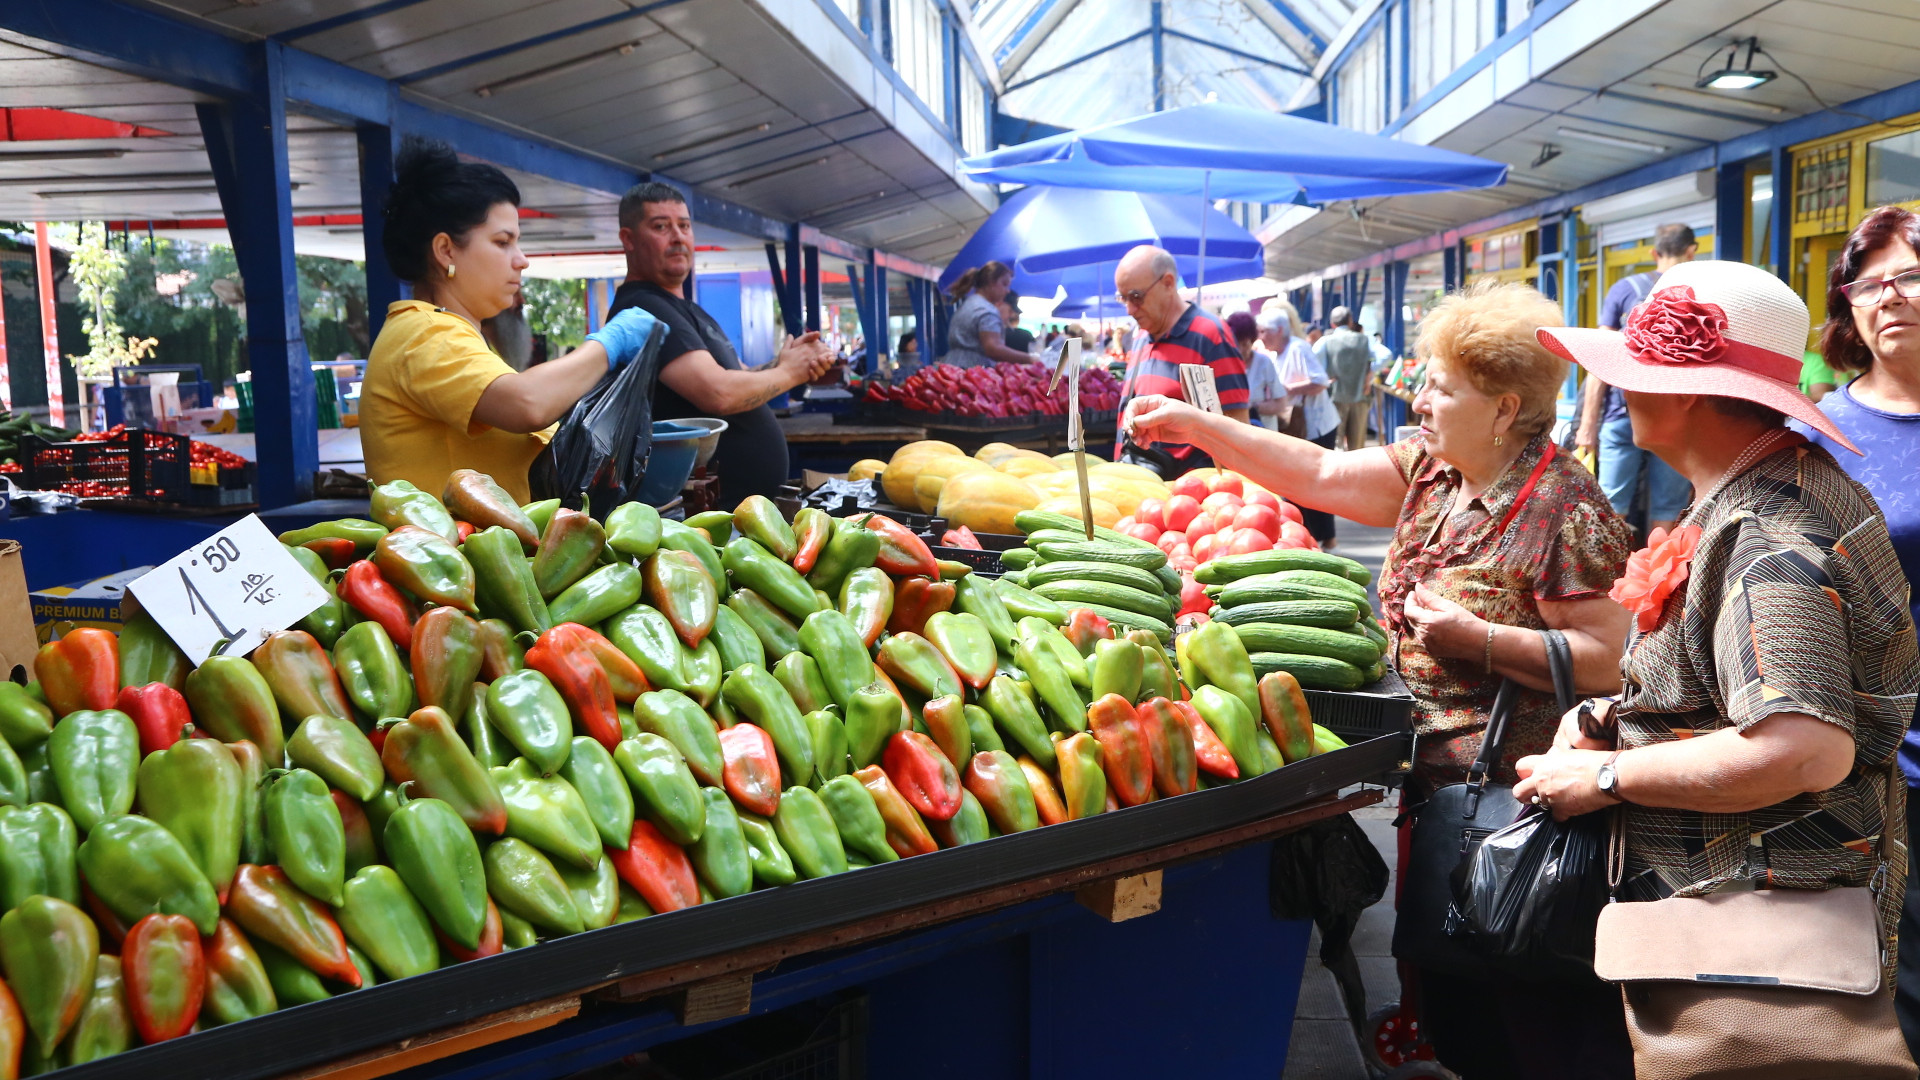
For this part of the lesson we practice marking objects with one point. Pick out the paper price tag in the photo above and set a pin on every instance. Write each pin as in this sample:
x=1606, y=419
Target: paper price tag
x=224, y=595
x=1196, y=385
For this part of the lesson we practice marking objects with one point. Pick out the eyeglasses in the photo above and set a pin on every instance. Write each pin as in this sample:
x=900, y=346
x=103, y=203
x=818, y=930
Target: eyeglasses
x=1869, y=291
x=1135, y=296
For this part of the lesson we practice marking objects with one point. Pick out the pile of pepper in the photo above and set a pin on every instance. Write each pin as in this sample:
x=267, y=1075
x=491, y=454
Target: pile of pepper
x=513, y=722
x=998, y=390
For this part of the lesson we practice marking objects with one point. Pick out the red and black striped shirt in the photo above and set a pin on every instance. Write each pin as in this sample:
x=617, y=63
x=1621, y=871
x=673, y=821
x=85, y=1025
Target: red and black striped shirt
x=1197, y=337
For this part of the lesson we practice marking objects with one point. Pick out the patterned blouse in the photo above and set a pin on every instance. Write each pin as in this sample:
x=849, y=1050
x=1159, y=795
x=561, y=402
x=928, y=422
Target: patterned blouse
x=1794, y=603
x=1543, y=531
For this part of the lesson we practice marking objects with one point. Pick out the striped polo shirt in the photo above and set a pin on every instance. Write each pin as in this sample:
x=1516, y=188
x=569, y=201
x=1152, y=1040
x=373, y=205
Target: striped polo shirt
x=1197, y=337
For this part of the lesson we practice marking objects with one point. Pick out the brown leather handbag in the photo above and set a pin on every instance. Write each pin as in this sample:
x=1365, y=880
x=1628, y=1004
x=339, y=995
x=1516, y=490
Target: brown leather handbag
x=1756, y=985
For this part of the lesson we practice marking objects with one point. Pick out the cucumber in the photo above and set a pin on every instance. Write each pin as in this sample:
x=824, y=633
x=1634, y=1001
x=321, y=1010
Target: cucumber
x=1032, y=521
x=1313, y=672
x=1023, y=604
x=1018, y=558
x=1113, y=573
x=1015, y=577
x=1074, y=593
x=1075, y=536
x=1280, y=637
x=1266, y=590
x=1373, y=633
x=1170, y=582
x=1325, y=580
x=1329, y=614
x=1132, y=620
x=1234, y=567
x=1144, y=558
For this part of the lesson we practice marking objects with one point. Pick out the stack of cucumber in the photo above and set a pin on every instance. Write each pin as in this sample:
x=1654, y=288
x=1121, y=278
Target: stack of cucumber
x=1302, y=612
x=1124, y=580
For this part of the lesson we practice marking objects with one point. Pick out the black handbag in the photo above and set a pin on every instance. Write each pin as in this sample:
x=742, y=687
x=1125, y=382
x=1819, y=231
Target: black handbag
x=1448, y=829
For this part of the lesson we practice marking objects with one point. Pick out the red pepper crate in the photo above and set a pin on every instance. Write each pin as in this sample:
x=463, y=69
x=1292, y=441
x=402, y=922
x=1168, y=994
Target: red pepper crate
x=134, y=464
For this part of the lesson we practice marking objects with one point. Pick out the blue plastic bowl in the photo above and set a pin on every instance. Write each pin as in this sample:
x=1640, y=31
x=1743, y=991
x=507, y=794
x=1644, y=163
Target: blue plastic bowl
x=674, y=448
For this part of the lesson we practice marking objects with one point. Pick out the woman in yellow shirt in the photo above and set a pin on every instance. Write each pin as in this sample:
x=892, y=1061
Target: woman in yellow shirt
x=436, y=398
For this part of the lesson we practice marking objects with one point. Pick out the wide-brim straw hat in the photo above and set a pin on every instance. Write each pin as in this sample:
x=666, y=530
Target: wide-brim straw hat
x=1709, y=327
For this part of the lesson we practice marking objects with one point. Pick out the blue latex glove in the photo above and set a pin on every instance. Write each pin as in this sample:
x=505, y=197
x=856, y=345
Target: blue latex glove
x=624, y=336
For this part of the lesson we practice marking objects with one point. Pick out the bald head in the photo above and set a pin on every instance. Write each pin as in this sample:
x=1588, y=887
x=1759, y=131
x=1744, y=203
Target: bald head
x=1148, y=283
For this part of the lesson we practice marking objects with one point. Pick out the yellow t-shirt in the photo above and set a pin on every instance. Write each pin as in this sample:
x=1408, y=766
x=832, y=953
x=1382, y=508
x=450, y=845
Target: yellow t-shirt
x=425, y=374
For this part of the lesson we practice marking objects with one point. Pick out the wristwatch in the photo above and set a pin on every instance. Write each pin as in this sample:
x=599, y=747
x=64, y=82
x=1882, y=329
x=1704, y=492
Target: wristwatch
x=1608, y=779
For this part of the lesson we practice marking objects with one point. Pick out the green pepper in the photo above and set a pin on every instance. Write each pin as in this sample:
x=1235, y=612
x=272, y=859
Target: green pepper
x=981, y=598
x=435, y=854
x=335, y=749
x=737, y=642
x=761, y=698
x=37, y=845
x=105, y=1025
x=569, y=547
x=1118, y=668
x=980, y=727
x=49, y=949
x=1000, y=785
x=547, y=813
x=598, y=596
x=1222, y=661
x=754, y=567
x=370, y=671
x=303, y=825
x=426, y=565
x=195, y=789
x=445, y=658
x=829, y=637
x=237, y=984
x=136, y=868
x=523, y=882
x=715, y=525
x=759, y=520
x=503, y=580
x=596, y=777
x=1230, y=720
x=1083, y=781
x=328, y=621
x=399, y=504
x=778, y=635
x=969, y=826
x=40, y=785
x=1016, y=717
x=1066, y=708
x=595, y=892
x=516, y=932
x=526, y=709
x=1157, y=678
x=873, y=715
x=489, y=746
x=1051, y=639
x=633, y=530
x=828, y=735
x=15, y=788
x=650, y=642
x=678, y=719
x=301, y=676
x=704, y=672
x=362, y=849
x=1270, y=756
x=147, y=655
x=540, y=513
x=25, y=720
x=253, y=824
x=382, y=919
x=633, y=906
x=1022, y=604
x=771, y=863
x=474, y=497
x=95, y=755
x=848, y=550
x=362, y=532
x=914, y=663
x=966, y=643
x=665, y=791
x=866, y=599
x=720, y=855
x=426, y=748
x=679, y=587
x=501, y=652
x=800, y=675
x=231, y=701
x=291, y=981
x=807, y=832
x=679, y=536
x=857, y=819
x=945, y=718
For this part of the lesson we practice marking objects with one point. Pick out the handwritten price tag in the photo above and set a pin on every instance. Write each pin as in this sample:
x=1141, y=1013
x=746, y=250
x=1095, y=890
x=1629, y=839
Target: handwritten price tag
x=227, y=593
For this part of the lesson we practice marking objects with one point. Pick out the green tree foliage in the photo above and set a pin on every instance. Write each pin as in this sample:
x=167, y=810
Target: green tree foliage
x=557, y=310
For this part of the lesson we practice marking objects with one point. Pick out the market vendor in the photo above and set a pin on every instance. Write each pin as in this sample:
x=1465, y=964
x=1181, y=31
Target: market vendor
x=700, y=373
x=436, y=398
x=1177, y=332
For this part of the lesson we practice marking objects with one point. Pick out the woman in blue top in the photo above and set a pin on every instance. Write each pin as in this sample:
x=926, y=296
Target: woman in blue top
x=1873, y=327
x=977, y=335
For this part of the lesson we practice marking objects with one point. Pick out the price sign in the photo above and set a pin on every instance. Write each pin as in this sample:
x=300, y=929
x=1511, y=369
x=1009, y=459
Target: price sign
x=1196, y=385
x=224, y=595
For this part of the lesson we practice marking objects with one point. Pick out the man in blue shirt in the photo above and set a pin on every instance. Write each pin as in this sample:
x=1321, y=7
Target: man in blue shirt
x=1604, y=425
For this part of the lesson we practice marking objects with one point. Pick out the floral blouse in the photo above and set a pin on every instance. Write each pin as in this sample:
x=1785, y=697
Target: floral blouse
x=1543, y=531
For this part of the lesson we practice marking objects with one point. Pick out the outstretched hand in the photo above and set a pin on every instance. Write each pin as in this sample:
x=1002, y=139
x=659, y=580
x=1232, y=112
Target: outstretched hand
x=1154, y=418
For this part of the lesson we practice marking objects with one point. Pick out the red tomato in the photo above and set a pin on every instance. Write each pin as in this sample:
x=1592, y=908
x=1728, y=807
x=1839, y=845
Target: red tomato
x=1185, y=564
x=1254, y=496
x=1180, y=551
x=1294, y=534
x=1143, y=530
x=1153, y=510
x=1170, y=540
x=1290, y=512
x=1263, y=518
x=1225, y=481
x=1212, y=503
x=1124, y=523
x=1203, y=548
x=1223, y=518
x=1180, y=510
x=1245, y=540
x=1193, y=487
x=1194, y=598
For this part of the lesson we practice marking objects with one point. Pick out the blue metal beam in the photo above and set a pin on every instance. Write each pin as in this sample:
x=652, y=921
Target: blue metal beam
x=810, y=285
x=378, y=144
x=1242, y=54
x=1078, y=60
x=1158, y=29
x=880, y=341
x=348, y=18
x=1730, y=212
x=1027, y=26
x=1286, y=12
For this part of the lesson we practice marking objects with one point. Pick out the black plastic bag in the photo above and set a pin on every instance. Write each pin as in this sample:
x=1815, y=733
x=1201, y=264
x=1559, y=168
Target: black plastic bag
x=1532, y=895
x=599, y=455
x=1329, y=872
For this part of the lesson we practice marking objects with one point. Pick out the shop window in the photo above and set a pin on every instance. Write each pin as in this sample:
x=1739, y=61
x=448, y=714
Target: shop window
x=917, y=47
x=1893, y=169
x=1821, y=181
x=973, y=113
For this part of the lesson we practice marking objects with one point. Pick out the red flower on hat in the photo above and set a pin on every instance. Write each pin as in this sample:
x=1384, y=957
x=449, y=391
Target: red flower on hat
x=1674, y=328
x=1654, y=572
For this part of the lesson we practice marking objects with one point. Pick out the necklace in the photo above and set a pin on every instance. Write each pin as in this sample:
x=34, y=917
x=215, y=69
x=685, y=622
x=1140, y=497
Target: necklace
x=1751, y=456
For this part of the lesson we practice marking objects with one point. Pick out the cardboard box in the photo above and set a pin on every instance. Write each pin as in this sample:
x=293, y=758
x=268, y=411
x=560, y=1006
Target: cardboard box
x=89, y=603
x=18, y=641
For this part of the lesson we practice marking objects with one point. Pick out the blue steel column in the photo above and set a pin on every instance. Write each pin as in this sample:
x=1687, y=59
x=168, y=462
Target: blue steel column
x=1394, y=323
x=1780, y=252
x=861, y=303
x=377, y=147
x=1159, y=58
x=1570, y=275
x=1730, y=213
x=810, y=285
x=1450, y=267
x=246, y=141
x=880, y=341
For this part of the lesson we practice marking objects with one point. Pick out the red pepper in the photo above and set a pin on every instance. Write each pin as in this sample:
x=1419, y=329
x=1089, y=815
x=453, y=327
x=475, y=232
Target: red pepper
x=657, y=869
x=491, y=938
x=270, y=909
x=907, y=835
x=1170, y=745
x=1124, y=751
x=624, y=677
x=159, y=712
x=914, y=600
x=1209, y=752
x=1084, y=628
x=80, y=671
x=568, y=661
x=1046, y=797
x=111, y=928
x=336, y=552
x=812, y=529
x=902, y=554
x=750, y=769
x=166, y=976
x=463, y=529
x=923, y=775
x=961, y=537
x=375, y=598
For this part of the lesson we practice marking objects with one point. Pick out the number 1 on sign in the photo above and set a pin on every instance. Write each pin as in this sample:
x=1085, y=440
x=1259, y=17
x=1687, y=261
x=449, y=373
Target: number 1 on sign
x=197, y=604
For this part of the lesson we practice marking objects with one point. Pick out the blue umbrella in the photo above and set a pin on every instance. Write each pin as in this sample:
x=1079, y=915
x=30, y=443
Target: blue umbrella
x=1096, y=306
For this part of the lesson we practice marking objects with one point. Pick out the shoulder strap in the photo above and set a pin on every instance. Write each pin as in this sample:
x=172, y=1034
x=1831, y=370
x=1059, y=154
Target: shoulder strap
x=1560, y=663
x=1494, y=741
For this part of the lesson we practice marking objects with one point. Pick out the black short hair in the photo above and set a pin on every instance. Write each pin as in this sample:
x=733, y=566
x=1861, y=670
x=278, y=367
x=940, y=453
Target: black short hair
x=637, y=196
x=1673, y=240
x=1013, y=298
x=1742, y=409
x=435, y=192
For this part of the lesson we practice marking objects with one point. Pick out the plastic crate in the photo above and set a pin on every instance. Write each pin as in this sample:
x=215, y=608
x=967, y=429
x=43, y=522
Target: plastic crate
x=142, y=464
x=1384, y=707
x=234, y=488
x=984, y=563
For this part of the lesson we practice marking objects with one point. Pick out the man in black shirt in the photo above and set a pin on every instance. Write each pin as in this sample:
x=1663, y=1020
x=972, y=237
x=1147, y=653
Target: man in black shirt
x=1017, y=339
x=700, y=374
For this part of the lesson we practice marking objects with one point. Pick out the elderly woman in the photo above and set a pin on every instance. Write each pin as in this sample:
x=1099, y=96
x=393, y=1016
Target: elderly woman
x=1497, y=535
x=1772, y=670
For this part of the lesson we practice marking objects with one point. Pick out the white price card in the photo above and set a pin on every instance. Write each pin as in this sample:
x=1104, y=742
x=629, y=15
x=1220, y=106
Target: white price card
x=224, y=595
x=1196, y=385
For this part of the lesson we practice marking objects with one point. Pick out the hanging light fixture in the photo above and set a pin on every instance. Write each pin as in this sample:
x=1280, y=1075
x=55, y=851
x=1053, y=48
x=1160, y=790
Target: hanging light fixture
x=1735, y=78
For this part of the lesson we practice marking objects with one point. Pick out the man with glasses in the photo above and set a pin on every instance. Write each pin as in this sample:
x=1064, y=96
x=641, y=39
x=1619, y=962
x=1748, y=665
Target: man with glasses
x=1177, y=333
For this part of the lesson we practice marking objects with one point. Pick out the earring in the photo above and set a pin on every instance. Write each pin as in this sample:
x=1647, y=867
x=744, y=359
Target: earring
x=1496, y=439
x=449, y=269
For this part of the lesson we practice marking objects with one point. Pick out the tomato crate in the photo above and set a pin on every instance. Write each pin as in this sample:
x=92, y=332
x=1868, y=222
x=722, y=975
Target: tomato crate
x=136, y=464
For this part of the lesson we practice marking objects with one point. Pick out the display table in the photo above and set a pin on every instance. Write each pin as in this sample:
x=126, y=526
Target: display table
x=80, y=545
